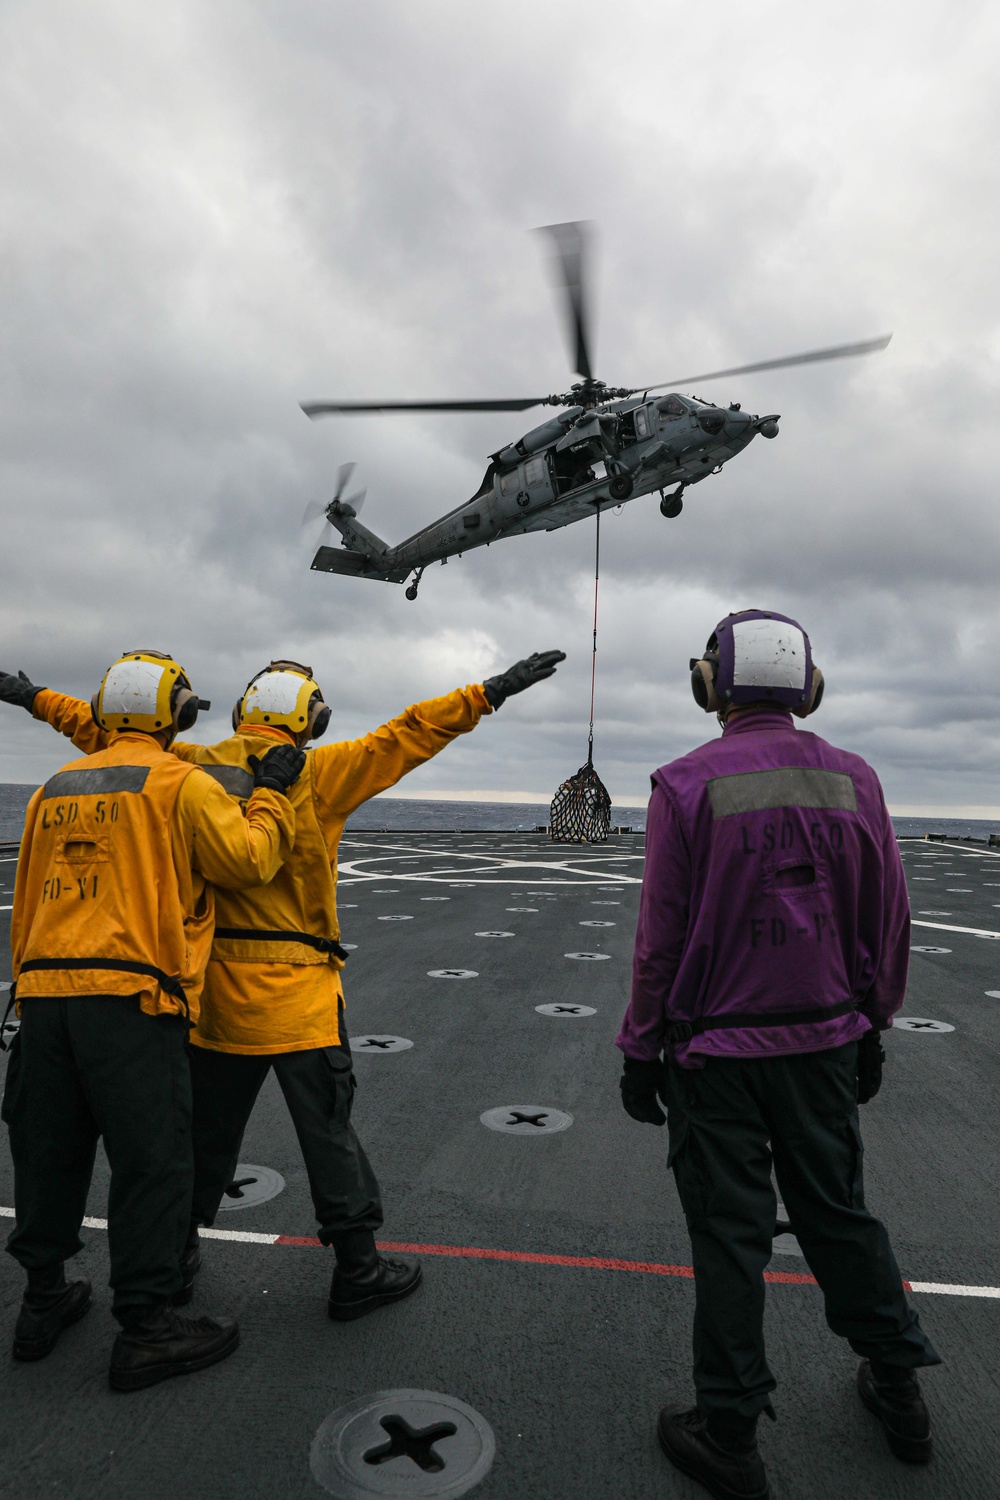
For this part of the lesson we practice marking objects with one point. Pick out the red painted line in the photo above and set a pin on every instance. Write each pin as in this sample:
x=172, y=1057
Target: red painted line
x=533, y=1258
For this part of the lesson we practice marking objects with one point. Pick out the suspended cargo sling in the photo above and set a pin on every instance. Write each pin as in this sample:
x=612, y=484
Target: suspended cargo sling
x=581, y=809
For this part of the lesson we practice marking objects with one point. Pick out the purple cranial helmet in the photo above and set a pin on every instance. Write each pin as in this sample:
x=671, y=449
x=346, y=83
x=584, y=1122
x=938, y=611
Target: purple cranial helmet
x=757, y=656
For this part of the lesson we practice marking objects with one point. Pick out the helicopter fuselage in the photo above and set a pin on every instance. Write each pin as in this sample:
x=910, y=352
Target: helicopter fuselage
x=583, y=460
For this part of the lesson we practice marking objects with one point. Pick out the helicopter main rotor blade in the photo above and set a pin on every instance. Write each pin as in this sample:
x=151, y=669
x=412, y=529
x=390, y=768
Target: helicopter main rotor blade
x=840, y=351
x=571, y=242
x=347, y=408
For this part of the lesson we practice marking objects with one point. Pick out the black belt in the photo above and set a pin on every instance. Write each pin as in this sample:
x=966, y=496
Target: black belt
x=683, y=1031
x=169, y=982
x=257, y=935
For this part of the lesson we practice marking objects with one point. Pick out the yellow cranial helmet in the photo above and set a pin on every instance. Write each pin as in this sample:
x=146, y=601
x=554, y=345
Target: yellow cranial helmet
x=285, y=695
x=146, y=690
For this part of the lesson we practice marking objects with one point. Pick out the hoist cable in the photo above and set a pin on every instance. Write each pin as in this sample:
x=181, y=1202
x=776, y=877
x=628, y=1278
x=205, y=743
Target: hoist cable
x=593, y=659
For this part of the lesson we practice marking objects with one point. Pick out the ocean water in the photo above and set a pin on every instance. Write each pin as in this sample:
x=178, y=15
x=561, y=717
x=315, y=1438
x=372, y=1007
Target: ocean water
x=421, y=816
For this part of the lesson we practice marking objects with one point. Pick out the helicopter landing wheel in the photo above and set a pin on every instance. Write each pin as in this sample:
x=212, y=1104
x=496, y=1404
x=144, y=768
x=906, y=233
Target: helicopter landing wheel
x=672, y=505
x=411, y=592
x=620, y=487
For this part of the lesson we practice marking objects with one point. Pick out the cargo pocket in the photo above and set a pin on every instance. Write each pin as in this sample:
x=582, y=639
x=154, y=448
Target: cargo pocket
x=13, y=1084
x=344, y=1082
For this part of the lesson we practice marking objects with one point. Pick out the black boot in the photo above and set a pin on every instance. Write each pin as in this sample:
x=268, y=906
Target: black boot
x=50, y=1304
x=190, y=1266
x=364, y=1280
x=729, y=1466
x=166, y=1344
x=893, y=1394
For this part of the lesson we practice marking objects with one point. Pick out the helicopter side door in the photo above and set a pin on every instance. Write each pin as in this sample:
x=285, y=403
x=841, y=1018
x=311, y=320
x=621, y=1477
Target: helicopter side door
x=523, y=488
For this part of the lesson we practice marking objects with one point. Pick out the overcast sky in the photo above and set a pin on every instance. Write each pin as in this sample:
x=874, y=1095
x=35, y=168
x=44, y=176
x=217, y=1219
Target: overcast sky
x=212, y=210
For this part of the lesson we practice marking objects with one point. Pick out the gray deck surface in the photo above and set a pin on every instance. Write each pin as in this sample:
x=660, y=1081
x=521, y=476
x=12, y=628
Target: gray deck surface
x=569, y=1365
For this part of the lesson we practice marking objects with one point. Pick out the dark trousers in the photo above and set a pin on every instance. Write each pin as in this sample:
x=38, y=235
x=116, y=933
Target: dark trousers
x=86, y=1067
x=728, y=1121
x=318, y=1085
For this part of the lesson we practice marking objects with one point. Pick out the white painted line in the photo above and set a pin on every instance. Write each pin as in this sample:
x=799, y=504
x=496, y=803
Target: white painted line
x=6, y=908
x=957, y=848
x=943, y=1288
x=983, y=932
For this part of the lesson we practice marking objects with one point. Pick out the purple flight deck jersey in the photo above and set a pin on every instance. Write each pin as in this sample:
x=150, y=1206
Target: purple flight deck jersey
x=774, y=916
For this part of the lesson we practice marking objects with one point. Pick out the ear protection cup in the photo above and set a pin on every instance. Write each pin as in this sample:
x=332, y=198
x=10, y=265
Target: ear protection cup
x=815, y=697
x=186, y=706
x=703, y=672
x=320, y=714
x=237, y=711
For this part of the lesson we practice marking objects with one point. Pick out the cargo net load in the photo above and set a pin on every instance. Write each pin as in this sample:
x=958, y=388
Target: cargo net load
x=581, y=809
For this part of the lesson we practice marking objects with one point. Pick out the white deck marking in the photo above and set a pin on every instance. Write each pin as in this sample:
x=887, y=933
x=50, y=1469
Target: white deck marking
x=982, y=932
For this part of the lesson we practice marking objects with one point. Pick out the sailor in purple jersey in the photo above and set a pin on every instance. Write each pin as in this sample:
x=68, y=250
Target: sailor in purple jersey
x=772, y=948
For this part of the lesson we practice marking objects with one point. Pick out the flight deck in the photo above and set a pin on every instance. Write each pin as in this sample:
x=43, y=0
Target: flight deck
x=487, y=979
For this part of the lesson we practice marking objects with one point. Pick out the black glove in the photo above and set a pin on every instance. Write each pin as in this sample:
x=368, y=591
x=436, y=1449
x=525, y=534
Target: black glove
x=280, y=768
x=871, y=1056
x=19, y=690
x=523, y=674
x=640, y=1083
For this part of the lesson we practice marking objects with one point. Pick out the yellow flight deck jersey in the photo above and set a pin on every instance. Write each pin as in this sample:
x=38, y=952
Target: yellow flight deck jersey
x=115, y=885
x=273, y=983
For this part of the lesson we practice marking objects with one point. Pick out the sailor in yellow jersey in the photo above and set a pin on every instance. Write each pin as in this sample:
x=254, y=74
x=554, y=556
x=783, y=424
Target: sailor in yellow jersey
x=112, y=926
x=273, y=996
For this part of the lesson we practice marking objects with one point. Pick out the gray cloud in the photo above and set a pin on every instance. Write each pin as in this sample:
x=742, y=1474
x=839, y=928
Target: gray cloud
x=213, y=211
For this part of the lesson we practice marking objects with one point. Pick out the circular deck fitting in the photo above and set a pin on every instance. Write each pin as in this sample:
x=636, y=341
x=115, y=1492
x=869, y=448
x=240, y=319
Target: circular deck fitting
x=928, y=948
x=598, y=924
x=417, y=1443
x=526, y=1119
x=565, y=1010
x=959, y=890
x=523, y=908
x=453, y=973
x=605, y=903
x=935, y=914
x=349, y=947
x=395, y=919
x=372, y=1043
x=990, y=937
x=348, y=905
x=495, y=934
x=252, y=1185
x=588, y=957
x=435, y=898
x=610, y=887
x=462, y=885
x=919, y=1023
x=993, y=994
x=385, y=890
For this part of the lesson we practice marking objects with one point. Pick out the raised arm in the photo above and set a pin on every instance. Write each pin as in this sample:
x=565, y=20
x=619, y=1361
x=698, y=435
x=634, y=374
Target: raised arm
x=70, y=716
x=348, y=774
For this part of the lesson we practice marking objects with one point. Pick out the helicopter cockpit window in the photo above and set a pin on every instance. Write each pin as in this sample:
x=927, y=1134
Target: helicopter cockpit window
x=508, y=483
x=672, y=406
x=641, y=423
x=534, y=472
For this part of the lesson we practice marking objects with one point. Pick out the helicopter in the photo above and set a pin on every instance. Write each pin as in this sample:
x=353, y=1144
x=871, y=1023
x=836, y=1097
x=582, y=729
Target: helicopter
x=608, y=445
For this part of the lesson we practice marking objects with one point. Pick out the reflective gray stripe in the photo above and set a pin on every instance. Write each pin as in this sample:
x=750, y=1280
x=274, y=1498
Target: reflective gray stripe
x=786, y=786
x=96, y=781
x=232, y=779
